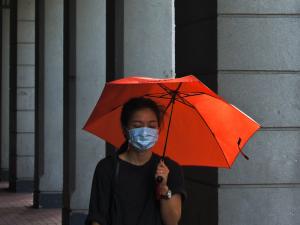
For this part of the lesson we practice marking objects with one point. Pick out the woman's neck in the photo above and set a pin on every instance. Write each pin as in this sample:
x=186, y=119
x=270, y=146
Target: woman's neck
x=136, y=158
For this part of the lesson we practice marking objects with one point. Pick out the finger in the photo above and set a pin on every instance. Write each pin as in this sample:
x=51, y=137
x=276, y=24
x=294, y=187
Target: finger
x=163, y=165
x=163, y=169
x=161, y=162
x=161, y=173
x=159, y=169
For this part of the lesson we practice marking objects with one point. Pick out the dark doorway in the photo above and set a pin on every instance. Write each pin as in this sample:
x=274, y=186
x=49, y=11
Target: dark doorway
x=196, y=53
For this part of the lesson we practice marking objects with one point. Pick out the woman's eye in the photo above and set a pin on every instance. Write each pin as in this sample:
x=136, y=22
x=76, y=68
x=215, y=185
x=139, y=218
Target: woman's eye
x=136, y=125
x=153, y=125
x=139, y=125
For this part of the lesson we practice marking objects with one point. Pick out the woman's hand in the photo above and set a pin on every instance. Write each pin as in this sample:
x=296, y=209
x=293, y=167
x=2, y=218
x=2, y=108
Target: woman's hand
x=170, y=208
x=162, y=171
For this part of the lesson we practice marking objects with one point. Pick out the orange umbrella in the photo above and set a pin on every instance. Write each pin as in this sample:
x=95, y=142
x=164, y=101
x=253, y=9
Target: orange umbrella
x=199, y=127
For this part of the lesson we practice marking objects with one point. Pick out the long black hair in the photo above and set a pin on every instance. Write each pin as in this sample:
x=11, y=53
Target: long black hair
x=133, y=105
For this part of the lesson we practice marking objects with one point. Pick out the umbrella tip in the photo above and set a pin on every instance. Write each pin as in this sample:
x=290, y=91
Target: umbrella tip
x=243, y=154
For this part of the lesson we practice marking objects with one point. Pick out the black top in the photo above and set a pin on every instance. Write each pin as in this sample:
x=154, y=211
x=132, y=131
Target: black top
x=124, y=194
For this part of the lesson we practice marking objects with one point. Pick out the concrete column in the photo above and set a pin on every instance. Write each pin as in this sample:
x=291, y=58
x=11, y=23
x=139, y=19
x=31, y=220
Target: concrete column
x=86, y=76
x=25, y=96
x=147, y=46
x=49, y=155
x=5, y=96
x=259, y=67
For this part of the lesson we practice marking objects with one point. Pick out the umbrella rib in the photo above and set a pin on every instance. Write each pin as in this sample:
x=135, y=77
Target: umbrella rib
x=187, y=103
x=158, y=96
x=113, y=109
x=170, y=93
x=192, y=106
x=170, y=102
x=178, y=96
x=191, y=94
x=168, y=90
x=183, y=101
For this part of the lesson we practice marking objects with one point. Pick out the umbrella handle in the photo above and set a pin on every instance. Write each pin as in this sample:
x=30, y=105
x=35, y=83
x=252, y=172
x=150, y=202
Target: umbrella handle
x=243, y=154
x=159, y=179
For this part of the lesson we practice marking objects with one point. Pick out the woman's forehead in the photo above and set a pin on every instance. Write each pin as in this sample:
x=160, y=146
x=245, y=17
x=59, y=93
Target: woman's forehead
x=144, y=114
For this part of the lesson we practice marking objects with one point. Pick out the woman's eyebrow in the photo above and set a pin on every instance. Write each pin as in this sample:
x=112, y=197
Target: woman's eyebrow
x=139, y=121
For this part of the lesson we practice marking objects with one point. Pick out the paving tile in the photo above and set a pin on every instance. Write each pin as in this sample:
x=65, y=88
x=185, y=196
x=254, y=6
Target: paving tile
x=16, y=209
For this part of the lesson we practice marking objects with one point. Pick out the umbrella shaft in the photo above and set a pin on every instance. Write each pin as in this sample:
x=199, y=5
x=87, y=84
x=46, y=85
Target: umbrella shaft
x=166, y=142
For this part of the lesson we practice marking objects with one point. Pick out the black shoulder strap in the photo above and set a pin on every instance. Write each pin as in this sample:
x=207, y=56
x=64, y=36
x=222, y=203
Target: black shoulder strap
x=115, y=217
x=115, y=171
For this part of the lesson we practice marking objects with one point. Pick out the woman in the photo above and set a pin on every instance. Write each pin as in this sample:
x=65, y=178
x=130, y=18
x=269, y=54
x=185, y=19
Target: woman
x=124, y=189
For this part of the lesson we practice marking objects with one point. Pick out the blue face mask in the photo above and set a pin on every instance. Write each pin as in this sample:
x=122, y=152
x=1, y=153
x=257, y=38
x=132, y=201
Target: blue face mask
x=143, y=138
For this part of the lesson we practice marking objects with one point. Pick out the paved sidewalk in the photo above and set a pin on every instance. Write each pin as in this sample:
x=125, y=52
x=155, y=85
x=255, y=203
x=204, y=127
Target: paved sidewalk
x=16, y=209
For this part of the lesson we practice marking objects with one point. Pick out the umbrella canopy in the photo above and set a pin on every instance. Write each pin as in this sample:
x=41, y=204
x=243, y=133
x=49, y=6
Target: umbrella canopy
x=204, y=130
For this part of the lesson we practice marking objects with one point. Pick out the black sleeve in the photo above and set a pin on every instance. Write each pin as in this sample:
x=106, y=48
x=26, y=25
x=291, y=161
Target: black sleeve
x=100, y=195
x=176, y=179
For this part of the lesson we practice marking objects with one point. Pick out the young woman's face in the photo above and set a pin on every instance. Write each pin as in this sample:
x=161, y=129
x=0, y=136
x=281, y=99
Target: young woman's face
x=143, y=118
